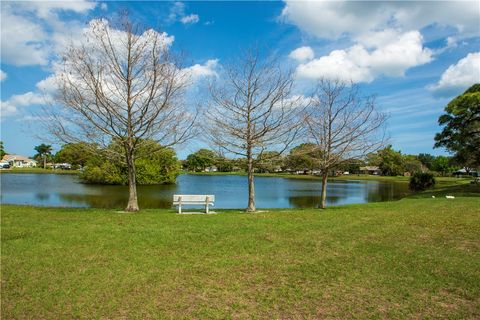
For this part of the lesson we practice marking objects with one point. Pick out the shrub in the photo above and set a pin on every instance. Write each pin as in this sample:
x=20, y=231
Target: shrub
x=160, y=167
x=421, y=181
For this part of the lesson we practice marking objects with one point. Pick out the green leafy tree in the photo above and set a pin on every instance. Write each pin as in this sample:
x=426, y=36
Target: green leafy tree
x=442, y=165
x=412, y=164
x=200, y=160
x=77, y=154
x=224, y=165
x=426, y=159
x=269, y=161
x=2, y=150
x=461, y=132
x=352, y=166
x=44, y=151
x=389, y=161
x=161, y=167
x=303, y=157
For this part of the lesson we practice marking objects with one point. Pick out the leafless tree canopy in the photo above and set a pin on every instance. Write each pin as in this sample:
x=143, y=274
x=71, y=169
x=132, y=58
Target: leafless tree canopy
x=252, y=111
x=343, y=124
x=121, y=84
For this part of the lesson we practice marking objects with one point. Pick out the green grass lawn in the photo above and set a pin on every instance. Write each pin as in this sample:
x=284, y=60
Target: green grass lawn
x=415, y=258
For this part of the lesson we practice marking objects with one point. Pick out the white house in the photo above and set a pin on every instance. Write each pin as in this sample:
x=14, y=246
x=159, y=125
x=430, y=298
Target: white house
x=211, y=169
x=19, y=161
x=371, y=170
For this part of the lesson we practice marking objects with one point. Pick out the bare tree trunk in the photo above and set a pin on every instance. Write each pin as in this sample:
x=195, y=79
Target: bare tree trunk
x=251, y=187
x=132, y=205
x=120, y=84
x=323, y=197
x=44, y=162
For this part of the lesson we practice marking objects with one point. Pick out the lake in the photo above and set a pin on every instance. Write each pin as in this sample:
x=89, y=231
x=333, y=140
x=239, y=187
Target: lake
x=230, y=191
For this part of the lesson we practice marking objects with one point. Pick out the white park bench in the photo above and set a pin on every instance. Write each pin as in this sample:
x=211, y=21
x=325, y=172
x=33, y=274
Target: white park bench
x=192, y=199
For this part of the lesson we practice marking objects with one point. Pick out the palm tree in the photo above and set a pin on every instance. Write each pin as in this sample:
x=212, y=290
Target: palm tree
x=44, y=150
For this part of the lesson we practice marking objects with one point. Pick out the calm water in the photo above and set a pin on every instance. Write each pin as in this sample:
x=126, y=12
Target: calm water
x=229, y=191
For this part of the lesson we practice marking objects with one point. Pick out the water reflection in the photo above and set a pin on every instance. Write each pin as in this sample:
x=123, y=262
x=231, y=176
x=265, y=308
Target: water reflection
x=230, y=191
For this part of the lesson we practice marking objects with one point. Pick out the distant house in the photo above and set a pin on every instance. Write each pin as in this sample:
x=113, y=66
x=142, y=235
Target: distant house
x=64, y=166
x=19, y=161
x=211, y=169
x=373, y=170
x=464, y=171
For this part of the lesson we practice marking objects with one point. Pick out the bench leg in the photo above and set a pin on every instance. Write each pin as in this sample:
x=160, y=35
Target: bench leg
x=179, y=208
x=206, y=208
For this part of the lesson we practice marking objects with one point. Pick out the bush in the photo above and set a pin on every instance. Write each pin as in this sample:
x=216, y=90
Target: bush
x=159, y=168
x=421, y=181
x=103, y=172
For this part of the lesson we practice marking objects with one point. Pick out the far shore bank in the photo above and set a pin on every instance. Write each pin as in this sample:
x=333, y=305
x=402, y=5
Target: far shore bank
x=342, y=177
x=38, y=170
x=440, y=180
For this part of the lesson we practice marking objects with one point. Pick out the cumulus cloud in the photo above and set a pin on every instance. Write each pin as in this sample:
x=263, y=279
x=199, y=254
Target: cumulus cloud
x=459, y=76
x=32, y=30
x=302, y=54
x=46, y=88
x=3, y=75
x=177, y=13
x=10, y=106
x=23, y=41
x=388, y=53
x=202, y=70
x=190, y=19
x=358, y=17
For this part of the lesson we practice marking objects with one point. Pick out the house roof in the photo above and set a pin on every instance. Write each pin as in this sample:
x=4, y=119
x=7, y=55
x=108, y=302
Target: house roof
x=16, y=157
x=370, y=168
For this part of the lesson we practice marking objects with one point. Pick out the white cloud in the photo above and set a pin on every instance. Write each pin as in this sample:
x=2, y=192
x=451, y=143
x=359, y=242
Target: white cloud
x=177, y=13
x=459, y=76
x=47, y=87
x=3, y=75
x=302, y=54
x=358, y=17
x=190, y=19
x=202, y=70
x=23, y=41
x=103, y=6
x=45, y=9
x=32, y=30
x=10, y=106
x=388, y=53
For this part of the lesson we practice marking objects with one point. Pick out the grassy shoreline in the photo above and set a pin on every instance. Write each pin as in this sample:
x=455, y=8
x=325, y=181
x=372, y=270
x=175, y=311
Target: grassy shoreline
x=37, y=171
x=440, y=180
x=414, y=258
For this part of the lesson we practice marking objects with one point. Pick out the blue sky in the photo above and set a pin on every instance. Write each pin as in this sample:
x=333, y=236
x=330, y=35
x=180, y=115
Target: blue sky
x=415, y=56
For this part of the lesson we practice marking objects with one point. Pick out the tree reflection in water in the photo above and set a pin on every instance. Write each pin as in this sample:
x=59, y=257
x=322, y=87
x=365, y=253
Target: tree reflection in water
x=230, y=191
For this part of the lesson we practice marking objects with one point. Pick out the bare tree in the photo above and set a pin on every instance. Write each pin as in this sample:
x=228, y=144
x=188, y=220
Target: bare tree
x=122, y=85
x=342, y=125
x=251, y=111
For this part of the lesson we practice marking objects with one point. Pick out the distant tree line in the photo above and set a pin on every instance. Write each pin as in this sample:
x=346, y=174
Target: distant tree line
x=305, y=158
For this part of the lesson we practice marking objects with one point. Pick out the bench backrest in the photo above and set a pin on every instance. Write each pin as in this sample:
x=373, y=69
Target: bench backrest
x=193, y=197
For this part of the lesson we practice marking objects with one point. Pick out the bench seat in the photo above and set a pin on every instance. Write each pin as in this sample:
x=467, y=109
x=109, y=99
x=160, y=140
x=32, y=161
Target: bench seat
x=193, y=199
